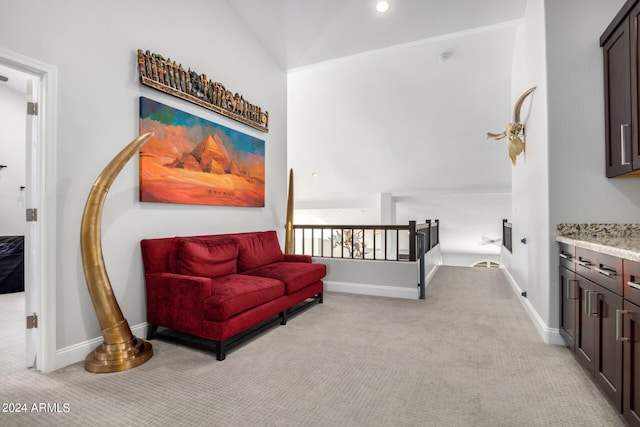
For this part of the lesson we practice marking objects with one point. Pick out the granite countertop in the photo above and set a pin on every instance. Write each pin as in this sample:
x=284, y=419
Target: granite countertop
x=620, y=240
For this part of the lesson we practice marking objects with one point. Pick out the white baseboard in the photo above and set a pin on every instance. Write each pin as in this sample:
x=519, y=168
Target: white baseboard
x=375, y=290
x=78, y=352
x=430, y=275
x=548, y=335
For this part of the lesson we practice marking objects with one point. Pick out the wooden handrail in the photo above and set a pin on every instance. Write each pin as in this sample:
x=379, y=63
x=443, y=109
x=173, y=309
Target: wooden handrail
x=353, y=238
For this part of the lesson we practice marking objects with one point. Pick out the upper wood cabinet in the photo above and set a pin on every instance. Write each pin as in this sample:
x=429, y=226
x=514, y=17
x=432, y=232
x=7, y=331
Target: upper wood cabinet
x=620, y=49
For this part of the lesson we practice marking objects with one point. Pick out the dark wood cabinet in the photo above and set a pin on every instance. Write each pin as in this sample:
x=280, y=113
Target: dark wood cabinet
x=631, y=281
x=620, y=51
x=568, y=296
x=630, y=335
x=586, y=323
x=591, y=303
x=617, y=100
x=608, y=354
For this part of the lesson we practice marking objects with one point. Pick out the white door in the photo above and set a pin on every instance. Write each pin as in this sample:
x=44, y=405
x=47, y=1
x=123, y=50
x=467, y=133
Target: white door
x=31, y=238
x=41, y=182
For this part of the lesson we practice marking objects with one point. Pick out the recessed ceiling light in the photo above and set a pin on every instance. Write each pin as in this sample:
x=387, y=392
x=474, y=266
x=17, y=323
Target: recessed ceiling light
x=315, y=174
x=382, y=6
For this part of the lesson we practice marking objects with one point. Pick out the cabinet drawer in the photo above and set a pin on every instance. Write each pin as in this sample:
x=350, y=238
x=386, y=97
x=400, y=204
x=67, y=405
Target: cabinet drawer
x=567, y=256
x=585, y=263
x=632, y=281
x=609, y=272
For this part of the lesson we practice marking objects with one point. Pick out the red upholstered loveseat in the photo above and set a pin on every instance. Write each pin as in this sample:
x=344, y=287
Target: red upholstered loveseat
x=219, y=287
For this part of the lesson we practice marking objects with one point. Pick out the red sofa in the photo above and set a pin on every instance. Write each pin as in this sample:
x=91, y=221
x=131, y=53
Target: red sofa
x=220, y=287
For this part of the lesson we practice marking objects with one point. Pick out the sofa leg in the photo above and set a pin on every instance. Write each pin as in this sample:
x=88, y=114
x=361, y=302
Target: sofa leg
x=283, y=317
x=320, y=298
x=151, y=331
x=221, y=351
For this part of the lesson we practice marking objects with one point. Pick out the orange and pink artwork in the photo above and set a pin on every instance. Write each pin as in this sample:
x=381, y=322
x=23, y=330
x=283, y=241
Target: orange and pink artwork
x=191, y=160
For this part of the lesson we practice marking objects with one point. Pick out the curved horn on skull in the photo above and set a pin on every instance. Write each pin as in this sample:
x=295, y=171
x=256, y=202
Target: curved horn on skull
x=519, y=102
x=496, y=135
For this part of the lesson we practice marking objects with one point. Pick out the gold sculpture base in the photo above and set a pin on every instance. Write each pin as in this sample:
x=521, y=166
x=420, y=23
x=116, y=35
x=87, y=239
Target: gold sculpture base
x=118, y=357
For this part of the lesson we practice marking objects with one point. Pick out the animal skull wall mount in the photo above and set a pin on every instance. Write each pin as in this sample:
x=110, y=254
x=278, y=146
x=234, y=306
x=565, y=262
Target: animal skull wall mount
x=515, y=130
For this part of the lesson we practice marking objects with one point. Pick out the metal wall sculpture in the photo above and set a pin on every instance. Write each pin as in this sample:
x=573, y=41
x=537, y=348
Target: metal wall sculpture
x=169, y=77
x=515, y=130
x=121, y=350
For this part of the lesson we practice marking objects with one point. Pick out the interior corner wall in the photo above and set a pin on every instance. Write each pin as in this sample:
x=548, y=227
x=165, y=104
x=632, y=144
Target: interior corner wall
x=529, y=263
x=93, y=45
x=561, y=178
x=12, y=155
x=576, y=123
x=579, y=191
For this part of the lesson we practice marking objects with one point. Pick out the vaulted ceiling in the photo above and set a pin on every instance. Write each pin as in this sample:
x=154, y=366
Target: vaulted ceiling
x=396, y=103
x=305, y=32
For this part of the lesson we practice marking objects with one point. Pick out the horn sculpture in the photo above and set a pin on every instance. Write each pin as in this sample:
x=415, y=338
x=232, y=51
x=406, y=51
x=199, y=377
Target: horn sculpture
x=288, y=245
x=121, y=350
x=514, y=130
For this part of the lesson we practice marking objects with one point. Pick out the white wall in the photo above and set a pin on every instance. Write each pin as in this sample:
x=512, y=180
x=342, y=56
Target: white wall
x=561, y=177
x=400, y=121
x=94, y=45
x=12, y=154
x=529, y=186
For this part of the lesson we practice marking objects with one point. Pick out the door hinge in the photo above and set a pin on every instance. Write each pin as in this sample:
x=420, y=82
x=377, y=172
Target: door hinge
x=32, y=108
x=32, y=215
x=32, y=321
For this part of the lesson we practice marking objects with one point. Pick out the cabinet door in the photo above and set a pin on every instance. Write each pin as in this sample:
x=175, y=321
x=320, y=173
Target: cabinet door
x=617, y=94
x=634, y=21
x=586, y=323
x=568, y=304
x=608, y=361
x=631, y=372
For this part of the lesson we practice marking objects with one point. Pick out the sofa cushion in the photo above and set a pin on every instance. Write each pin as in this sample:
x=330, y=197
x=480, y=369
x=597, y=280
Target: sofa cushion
x=177, y=243
x=294, y=275
x=206, y=258
x=155, y=254
x=258, y=249
x=234, y=293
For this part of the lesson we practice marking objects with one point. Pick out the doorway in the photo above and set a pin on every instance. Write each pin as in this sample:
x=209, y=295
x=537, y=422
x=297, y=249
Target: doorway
x=13, y=162
x=39, y=81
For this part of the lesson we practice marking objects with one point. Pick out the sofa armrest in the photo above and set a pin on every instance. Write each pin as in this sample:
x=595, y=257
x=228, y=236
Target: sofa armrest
x=176, y=301
x=297, y=258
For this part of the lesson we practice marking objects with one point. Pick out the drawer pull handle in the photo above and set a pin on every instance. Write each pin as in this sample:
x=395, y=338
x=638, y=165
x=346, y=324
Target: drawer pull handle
x=568, y=289
x=567, y=257
x=604, y=272
x=588, y=309
x=619, y=314
x=586, y=306
x=585, y=264
x=593, y=313
x=634, y=285
x=623, y=145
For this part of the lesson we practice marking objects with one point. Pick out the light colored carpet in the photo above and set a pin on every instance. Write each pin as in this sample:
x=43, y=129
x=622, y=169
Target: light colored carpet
x=466, y=356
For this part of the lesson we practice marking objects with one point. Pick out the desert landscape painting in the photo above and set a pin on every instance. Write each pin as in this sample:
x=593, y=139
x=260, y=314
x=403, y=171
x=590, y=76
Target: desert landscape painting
x=191, y=160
